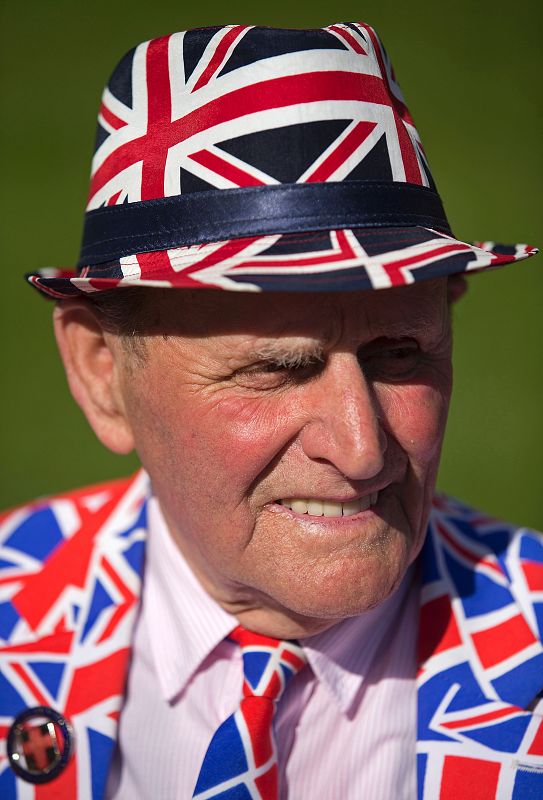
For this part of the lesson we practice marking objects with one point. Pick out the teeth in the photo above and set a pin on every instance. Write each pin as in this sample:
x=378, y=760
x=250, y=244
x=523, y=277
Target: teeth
x=354, y=506
x=299, y=506
x=330, y=508
x=314, y=507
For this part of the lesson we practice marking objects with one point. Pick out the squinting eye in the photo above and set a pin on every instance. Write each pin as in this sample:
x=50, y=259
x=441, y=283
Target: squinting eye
x=394, y=361
x=273, y=375
x=400, y=353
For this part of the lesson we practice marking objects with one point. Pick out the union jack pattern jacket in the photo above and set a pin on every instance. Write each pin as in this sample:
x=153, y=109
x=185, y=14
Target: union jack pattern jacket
x=70, y=579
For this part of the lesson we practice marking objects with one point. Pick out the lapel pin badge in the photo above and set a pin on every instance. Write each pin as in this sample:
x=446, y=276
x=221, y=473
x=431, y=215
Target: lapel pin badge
x=40, y=743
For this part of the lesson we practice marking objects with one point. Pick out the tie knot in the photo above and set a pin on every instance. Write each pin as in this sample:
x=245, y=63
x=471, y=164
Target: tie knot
x=268, y=663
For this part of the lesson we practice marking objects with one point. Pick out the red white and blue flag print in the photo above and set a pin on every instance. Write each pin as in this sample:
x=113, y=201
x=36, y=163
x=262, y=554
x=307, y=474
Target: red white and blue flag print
x=70, y=579
x=480, y=726
x=241, y=760
x=220, y=107
x=241, y=106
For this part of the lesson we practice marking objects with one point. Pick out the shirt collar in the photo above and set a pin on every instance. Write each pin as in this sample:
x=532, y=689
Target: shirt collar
x=343, y=655
x=186, y=625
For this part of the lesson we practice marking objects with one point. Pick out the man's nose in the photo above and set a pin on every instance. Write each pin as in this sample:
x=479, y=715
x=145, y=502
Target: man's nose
x=344, y=426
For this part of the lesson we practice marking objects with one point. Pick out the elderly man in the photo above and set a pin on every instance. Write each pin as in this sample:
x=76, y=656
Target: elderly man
x=262, y=310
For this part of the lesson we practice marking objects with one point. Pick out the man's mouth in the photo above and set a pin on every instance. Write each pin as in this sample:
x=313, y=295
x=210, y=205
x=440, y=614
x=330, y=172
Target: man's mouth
x=330, y=508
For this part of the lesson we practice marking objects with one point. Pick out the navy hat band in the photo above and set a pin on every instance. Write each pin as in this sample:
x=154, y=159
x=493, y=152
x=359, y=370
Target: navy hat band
x=113, y=232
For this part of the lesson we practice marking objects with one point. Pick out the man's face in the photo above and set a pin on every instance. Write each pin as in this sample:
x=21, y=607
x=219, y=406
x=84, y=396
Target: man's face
x=293, y=441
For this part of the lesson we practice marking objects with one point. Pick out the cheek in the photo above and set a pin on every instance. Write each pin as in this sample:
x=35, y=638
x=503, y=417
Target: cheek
x=246, y=435
x=416, y=415
x=215, y=445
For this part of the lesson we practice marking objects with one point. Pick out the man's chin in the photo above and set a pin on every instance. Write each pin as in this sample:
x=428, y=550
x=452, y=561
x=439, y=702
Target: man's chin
x=312, y=601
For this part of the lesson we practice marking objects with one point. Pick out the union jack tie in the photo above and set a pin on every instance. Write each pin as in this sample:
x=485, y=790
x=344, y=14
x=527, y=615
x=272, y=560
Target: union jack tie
x=241, y=760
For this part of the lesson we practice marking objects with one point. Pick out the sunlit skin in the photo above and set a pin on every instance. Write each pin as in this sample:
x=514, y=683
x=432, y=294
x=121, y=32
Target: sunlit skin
x=245, y=400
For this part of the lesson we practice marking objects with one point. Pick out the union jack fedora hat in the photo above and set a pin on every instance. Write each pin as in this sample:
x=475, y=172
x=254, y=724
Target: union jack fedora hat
x=250, y=158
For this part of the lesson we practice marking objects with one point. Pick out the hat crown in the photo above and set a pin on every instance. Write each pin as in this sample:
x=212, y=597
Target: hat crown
x=244, y=106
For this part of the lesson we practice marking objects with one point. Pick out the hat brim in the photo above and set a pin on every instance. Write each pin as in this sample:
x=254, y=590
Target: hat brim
x=322, y=261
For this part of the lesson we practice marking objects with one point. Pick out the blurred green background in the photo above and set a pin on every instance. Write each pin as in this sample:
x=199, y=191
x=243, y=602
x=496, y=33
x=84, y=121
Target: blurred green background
x=471, y=73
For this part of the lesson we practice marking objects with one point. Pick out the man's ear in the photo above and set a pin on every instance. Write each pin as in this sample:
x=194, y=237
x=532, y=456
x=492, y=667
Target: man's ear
x=457, y=286
x=91, y=359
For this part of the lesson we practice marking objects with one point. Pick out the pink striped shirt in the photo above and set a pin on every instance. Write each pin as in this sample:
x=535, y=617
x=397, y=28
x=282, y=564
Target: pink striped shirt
x=345, y=728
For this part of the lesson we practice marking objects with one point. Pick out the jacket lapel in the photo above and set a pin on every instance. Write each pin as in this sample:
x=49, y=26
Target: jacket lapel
x=481, y=660
x=73, y=604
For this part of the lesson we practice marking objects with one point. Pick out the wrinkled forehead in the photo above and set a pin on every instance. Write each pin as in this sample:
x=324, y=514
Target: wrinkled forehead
x=324, y=315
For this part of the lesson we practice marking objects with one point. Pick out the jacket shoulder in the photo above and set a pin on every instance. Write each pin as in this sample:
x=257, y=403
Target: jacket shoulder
x=478, y=526
x=486, y=560
x=34, y=530
x=82, y=495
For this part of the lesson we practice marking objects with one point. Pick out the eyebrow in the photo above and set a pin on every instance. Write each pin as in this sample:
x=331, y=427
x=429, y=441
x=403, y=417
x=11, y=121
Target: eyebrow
x=289, y=355
x=408, y=327
x=298, y=353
